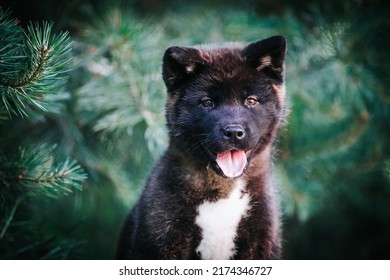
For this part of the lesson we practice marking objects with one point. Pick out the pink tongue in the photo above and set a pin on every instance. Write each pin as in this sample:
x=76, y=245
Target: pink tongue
x=232, y=163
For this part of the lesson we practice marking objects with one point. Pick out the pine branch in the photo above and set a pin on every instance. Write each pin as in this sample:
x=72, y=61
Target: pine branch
x=33, y=64
x=34, y=171
x=124, y=60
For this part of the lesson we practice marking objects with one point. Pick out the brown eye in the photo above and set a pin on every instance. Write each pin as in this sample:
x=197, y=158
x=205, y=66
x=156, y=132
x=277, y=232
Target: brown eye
x=207, y=102
x=251, y=101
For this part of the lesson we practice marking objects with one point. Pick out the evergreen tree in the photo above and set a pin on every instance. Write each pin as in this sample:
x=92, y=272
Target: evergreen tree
x=32, y=68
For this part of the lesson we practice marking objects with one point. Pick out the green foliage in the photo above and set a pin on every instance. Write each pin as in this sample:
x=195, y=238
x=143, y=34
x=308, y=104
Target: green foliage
x=32, y=66
x=127, y=86
x=34, y=171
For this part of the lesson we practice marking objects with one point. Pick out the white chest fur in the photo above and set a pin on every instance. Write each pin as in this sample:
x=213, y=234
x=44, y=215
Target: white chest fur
x=219, y=222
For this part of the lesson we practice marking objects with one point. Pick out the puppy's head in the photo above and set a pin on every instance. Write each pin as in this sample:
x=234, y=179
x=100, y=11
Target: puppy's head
x=224, y=103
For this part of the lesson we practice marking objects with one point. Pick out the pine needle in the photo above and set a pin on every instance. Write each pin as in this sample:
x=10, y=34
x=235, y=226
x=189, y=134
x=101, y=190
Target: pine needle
x=34, y=64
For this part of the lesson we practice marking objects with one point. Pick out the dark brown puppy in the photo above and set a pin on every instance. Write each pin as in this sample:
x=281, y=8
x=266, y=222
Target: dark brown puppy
x=212, y=195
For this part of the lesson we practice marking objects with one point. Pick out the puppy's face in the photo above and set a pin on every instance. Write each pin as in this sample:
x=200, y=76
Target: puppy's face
x=224, y=104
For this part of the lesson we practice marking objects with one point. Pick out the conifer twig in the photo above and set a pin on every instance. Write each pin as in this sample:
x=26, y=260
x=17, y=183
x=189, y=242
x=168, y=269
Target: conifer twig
x=33, y=171
x=32, y=65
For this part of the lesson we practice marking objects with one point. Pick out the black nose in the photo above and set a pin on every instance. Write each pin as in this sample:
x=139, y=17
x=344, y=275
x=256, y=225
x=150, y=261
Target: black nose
x=234, y=132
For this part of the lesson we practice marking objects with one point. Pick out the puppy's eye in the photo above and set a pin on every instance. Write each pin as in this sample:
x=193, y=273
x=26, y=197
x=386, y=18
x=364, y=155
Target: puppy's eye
x=251, y=101
x=207, y=102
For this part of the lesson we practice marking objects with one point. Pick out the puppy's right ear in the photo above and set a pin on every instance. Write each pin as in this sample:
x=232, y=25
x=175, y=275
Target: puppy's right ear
x=179, y=64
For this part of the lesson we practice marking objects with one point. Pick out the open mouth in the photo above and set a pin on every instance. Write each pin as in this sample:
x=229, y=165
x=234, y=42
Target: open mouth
x=231, y=163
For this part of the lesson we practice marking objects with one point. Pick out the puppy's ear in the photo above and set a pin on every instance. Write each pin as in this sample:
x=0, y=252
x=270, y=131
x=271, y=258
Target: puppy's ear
x=267, y=55
x=179, y=64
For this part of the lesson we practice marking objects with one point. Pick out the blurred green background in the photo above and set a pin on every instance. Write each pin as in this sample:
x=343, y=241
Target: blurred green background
x=333, y=159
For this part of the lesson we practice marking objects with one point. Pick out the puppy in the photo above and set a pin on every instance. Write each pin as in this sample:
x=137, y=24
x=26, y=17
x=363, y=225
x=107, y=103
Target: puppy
x=212, y=195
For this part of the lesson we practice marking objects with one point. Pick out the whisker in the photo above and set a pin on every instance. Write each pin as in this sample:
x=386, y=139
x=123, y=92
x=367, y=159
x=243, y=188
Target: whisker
x=197, y=144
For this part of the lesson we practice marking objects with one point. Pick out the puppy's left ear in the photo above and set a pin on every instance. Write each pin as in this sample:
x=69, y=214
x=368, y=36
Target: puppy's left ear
x=267, y=54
